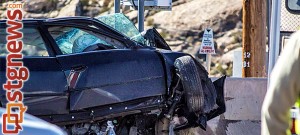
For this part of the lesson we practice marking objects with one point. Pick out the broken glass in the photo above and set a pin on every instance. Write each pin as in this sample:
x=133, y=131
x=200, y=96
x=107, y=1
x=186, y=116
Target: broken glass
x=122, y=24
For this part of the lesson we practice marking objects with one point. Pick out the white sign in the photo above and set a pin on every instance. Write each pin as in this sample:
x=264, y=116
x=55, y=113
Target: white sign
x=150, y=4
x=207, y=45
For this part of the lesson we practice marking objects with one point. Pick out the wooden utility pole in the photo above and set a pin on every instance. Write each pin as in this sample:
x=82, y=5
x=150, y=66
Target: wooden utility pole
x=254, y=38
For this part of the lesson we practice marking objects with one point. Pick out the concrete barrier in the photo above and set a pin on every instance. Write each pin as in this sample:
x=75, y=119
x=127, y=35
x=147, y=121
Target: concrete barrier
x=244, y=98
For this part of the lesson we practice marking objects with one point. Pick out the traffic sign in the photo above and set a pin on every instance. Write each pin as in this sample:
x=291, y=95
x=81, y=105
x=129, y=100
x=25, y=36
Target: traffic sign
x=150, y=4
x=207, y=45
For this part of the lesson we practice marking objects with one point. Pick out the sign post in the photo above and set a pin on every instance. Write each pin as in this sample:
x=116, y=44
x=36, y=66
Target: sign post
x=141, y=15
x=142, y=5
x=117, y=6
x=208, y=62
x=207, y=47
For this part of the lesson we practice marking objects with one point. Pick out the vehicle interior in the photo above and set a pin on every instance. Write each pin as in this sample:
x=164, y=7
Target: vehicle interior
x=33, y=44
x=76, y=40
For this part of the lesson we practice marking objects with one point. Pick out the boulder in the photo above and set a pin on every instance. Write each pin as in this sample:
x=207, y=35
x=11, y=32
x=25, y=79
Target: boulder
x=104, y=3
x=74, y=8
x=230, y=37
x=228, y=57
x=39, y=6
x=198, y=14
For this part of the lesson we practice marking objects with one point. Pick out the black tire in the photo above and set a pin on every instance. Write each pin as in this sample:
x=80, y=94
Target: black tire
x=191, y=81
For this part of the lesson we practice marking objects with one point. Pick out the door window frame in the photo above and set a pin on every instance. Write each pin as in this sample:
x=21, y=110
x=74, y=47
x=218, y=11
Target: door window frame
x=38, y=26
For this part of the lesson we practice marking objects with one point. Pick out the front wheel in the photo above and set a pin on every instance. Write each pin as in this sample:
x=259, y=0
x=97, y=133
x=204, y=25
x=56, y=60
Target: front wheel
x=191, y=81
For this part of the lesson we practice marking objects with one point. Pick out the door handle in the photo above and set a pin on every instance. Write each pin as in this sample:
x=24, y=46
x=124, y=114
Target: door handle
x=80, y=68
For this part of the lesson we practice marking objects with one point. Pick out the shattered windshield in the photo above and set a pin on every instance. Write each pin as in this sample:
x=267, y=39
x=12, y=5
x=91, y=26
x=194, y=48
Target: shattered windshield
x=123, y=25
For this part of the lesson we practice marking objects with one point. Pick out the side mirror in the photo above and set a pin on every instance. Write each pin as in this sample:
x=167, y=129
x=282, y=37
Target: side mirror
x=293, y=6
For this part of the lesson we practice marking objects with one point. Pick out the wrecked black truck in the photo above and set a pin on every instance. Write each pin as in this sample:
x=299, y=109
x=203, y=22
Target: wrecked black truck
x=91, y=74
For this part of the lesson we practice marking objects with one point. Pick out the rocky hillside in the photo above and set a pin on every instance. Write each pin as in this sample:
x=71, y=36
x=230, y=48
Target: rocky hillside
x=182, y=27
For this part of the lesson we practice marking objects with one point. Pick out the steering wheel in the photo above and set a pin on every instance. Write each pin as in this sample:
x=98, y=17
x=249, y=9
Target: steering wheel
x=98, y=46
